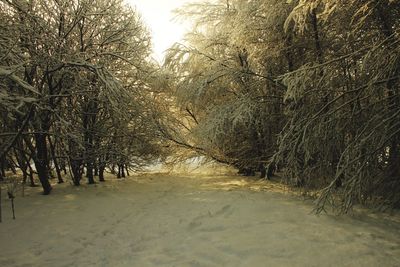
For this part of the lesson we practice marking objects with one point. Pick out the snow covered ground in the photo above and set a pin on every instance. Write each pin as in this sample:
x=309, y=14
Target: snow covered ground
x=164, y=220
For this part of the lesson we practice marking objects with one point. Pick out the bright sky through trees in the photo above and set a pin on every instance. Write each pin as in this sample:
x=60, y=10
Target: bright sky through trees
x=159, y=17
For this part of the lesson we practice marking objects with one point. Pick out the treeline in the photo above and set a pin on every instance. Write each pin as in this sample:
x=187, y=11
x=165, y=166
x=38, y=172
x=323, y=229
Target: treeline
x=74, y=92
x=306, y=88
x=310, y=88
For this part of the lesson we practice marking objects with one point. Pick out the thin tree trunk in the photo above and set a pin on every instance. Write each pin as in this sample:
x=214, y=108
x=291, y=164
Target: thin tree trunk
x=123, y=170
x=392, y=91
x=21, y=162
x=2, y=170
x=271, y=170
x=32, y=181
x=89, y=172
x=101, y=172
x=317, y=39
x=41, y=162
x=263, y=170
x=113, y=169
x=96, y=169
x=119, y=171
x=53, y=155
x=288, y=53
x=11, y=165
x=75, y=167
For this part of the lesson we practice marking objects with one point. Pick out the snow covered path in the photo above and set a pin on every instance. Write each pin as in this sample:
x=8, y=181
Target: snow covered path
x=183, y=221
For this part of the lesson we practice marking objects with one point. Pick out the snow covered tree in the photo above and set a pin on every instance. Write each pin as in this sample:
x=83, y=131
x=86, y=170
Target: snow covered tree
x=311, y=86
x=226, y=78
x=67, y=62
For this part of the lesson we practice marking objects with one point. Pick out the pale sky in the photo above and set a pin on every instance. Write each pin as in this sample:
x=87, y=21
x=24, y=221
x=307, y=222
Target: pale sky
x=158, y=16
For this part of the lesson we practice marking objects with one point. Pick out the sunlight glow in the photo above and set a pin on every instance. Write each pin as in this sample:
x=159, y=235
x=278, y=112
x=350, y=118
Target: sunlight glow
x=159, y=17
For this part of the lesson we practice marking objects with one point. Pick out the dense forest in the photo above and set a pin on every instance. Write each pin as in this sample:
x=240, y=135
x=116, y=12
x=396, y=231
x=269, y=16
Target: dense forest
x=308, y=90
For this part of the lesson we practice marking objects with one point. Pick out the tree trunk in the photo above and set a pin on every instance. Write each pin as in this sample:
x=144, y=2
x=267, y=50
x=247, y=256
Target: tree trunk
x=19, y=154
x=392, y=91
x=53, y=155
x=11, y=165
x=96, y=169
x=317, y=40
x=113, y=169
x=75, y=166
x=119, y=171
x=41, y=162
x=32, y=181
x=263, y=170
x=288, y=53
x=102, y=167
x=122, y=170
x=88, y=122
x=2, y=170
x=63, y=165
x=270, y=170
x=89, y=172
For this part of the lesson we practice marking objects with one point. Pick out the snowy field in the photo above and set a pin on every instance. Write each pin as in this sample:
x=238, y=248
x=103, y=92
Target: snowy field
x=160, y=220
